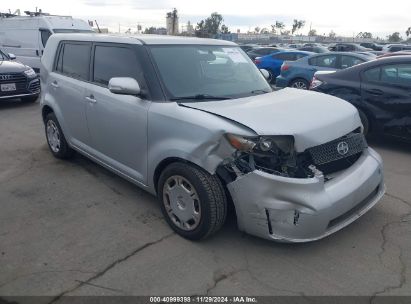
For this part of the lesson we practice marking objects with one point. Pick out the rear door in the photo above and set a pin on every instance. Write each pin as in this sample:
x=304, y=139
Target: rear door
x=117, y=123
x=386, y=90
x=67, y=86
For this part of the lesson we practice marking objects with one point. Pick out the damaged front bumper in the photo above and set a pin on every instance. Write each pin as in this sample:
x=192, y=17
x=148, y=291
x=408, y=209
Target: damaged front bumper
x=302, y=210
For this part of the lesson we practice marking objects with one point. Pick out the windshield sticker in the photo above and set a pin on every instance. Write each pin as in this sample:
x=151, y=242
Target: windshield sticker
x=235, y=55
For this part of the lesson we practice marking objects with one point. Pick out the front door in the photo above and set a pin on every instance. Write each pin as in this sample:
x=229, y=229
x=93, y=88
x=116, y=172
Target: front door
x=387, y=90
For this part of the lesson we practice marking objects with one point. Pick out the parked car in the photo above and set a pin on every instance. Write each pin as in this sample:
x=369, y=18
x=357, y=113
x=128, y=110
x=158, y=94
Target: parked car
x=402, y=53
x=262, y=51
x=272, y=63
x=198, y=134
x=314, y=49
x=17, y=80
x=298, y=74
x=398, y=48
x=248, y=47
x=348, y=47
x=379, y=89
x=372, y=45
x=26, y=36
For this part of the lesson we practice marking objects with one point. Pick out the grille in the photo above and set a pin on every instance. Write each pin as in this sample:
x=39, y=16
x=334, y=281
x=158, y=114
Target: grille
x=341, y=148
x=34, y=86
x=17, y=78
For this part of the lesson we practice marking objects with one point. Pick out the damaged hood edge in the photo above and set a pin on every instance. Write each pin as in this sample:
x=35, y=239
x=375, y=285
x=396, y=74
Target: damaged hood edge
x=312, y=118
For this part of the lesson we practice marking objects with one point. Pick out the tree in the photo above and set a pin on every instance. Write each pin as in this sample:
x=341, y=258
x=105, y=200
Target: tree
x=210, y=26
x=408, y=32
x=297, y=25
x=312, y=32
x=278, y=26
x=366, y=35
x=225, y=30
x=257, y=30
x=394, y=37
x=332, y=34
x=264, y=31
x=173, y=15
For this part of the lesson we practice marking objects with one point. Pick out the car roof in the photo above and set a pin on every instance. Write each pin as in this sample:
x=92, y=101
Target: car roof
x=142, y=39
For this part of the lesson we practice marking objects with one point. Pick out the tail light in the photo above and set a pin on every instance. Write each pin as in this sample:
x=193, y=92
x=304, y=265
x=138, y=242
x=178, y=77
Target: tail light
x=285, y=67
x=257, y=61
x=315, y=83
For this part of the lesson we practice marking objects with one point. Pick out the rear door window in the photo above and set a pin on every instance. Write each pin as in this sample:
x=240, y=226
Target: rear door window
x=397, y=74
x=285, y=57
x=74, y=60
x=114, y=61
x=326, y=61
x=349, y=61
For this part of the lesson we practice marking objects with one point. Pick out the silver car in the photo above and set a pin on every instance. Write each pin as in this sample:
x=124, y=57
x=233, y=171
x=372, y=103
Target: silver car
x=194, y=122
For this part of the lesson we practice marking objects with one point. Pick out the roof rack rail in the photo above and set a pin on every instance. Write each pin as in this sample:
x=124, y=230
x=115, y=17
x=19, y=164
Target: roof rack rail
x=36, y=13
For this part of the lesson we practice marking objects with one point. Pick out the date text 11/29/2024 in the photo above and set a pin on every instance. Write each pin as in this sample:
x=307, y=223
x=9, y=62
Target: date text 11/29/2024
x=203, y=299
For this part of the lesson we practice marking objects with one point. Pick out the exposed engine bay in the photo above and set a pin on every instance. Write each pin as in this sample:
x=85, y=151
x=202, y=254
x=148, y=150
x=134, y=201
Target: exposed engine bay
x=276, y=155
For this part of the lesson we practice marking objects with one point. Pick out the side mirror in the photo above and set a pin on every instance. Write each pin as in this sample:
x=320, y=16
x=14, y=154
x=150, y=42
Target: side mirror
x=124, y=86
x=12, y=56
x=265, y=73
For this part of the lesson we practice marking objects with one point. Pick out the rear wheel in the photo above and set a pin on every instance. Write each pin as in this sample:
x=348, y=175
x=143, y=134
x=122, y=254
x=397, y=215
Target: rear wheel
x=301, y=84
x=55, y=138
x=193, y=202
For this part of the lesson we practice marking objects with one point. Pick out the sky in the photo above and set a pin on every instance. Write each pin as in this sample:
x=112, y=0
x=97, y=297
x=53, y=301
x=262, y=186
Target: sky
x=346, y=18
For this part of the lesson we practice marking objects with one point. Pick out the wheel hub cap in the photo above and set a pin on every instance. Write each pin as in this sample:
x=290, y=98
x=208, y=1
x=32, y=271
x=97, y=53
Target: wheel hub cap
x=181, y=202
x=53, y=136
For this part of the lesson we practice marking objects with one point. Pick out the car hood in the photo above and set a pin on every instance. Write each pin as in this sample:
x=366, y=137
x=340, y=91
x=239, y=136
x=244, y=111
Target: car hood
x=12, y=67
x=312, y=118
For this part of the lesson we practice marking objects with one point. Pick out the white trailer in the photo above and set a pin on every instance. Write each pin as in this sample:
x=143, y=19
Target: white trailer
x=26, y=36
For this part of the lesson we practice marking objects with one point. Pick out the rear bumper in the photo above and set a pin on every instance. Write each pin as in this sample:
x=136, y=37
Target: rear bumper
x=303, y=210
x=281, y=82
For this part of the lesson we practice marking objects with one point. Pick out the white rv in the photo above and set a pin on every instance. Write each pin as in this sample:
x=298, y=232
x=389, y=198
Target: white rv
x=26, y=36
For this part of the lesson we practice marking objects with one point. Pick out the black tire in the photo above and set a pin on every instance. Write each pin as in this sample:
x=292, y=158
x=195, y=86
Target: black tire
x=64, y=151
x=30, y=98
x=300, y=83
x=365, y=122
x=212, y=199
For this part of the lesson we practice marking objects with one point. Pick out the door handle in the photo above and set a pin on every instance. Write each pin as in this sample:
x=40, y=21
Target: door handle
x=91, y=99
x=375, y=92
x=55, y=84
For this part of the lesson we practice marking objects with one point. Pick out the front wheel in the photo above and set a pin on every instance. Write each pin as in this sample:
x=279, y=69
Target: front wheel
x=300, y=84
x=193, y=202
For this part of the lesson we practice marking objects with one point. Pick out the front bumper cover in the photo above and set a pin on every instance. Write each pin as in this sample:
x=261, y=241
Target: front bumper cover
x=303, y=210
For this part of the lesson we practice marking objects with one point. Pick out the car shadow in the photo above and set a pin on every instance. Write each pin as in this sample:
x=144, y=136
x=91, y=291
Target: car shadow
x=16, y=103
x=389, y=143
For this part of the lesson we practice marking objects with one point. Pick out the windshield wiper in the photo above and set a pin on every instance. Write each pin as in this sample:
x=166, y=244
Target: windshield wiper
x=200, y=97
x=260, y=92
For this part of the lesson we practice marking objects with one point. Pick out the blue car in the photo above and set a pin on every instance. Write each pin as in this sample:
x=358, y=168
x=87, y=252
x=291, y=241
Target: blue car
x=272, y=63
x=298, y=74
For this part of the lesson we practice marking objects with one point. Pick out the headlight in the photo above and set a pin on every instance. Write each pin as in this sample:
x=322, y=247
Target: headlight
x=30, y=73
x=284, y=143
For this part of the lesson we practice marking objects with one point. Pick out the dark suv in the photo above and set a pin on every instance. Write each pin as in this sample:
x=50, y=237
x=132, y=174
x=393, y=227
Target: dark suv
x=17, y=80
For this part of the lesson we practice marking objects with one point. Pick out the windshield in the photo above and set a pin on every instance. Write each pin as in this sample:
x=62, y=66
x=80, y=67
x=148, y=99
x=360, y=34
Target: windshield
x=211, y=71
x=65, y=31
